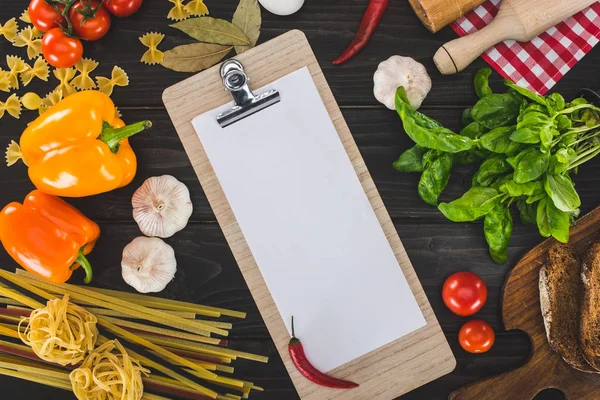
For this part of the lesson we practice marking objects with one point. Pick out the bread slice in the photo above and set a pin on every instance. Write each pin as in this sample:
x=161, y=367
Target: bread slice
x=560, y=299
x=589, y=324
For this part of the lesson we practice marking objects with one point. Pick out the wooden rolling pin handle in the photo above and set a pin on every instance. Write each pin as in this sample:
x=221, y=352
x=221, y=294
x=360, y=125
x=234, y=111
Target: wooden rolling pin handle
x=457, y=54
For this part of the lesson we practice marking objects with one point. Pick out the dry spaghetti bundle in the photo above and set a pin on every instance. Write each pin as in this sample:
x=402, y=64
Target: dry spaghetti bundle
x=61, y=333
x=108, y=373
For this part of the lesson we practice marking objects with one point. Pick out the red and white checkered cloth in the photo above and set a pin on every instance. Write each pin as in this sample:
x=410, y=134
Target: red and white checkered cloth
x=540, y=63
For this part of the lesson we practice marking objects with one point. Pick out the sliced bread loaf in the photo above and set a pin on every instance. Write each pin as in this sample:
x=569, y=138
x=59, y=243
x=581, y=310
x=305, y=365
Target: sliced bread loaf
x=589, y=327
x=560, y=299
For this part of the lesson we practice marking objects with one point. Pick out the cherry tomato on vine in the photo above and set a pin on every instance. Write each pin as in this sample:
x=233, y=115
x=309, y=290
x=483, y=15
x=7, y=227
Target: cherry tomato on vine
x=122, y=8
x=89, y=19
x=44, y=16
x=476, y=336
x=60, y=50
x=464, y=293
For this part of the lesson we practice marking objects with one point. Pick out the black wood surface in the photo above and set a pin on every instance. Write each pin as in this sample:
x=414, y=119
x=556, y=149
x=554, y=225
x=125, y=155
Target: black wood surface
x=207, y=272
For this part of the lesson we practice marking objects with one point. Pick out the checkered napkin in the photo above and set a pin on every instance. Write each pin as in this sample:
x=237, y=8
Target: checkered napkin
x=539, y=64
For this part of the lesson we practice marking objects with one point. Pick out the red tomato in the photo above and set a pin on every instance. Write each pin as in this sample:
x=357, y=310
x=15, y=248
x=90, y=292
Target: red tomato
x=60, y=50
x=123, y=8
x=476, y=336
x=87, y=23
x=464, y=293
x=44, y=16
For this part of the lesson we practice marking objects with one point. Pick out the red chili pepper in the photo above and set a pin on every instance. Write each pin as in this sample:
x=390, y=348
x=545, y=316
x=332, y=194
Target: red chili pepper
x=369, y=23
x=311, y=373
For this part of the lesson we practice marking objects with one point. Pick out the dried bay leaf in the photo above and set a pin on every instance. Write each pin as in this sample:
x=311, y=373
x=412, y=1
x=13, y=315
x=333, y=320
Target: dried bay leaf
x=194, y=57
x=213, y=30
x=247, y=16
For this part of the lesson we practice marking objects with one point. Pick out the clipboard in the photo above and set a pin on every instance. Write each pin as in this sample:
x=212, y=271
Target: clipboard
x=386, y=372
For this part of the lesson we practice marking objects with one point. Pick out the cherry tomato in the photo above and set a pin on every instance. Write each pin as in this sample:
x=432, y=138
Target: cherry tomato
x=44, y=16
x=87, y=23
x=123, y=8
x=60, y=50
x=464, y=293
x=476, y=336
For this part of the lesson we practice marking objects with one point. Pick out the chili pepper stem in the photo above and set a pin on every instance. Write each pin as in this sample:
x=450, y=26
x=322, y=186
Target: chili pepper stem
x=112, y=137
x=85, y=264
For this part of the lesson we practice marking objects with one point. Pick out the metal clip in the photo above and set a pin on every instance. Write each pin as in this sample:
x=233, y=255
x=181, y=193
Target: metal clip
x=236, y=81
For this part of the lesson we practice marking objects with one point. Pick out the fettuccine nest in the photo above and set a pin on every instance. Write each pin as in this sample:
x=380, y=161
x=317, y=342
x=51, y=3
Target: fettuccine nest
x=108, y=373
x=61, y=333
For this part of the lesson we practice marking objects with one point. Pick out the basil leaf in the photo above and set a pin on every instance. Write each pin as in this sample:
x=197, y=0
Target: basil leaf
x=497, y=184
x=470, y=157
x=426, y=132
x=489, y=170
x=411, y=160
x=529, y=165
x=474, y=204
x=497, y=110
x=562, y=192
x=526, y=93
x=527, y=212
x=530, y=126
x=466, y=118
x=498, y=140
x=514, y=189
x=481, y=82
x=435, y=178
x=551, y=221
x=560, y=161
x=556, y=102
x=473, y=130
x=497, y=228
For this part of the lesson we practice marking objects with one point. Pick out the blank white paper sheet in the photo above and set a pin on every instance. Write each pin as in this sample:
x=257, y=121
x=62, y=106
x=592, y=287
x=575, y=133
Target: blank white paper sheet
x=310, y=226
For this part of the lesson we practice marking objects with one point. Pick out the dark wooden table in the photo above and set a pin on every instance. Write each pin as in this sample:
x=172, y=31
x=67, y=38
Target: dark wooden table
x=207, y=272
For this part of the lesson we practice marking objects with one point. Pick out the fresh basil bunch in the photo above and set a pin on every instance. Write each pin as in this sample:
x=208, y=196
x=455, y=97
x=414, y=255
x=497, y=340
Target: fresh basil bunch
x=527, y=146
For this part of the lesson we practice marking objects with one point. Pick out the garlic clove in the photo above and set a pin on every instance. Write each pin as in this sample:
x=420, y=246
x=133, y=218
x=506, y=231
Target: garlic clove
x=399, y=71
x=162, y=206
x=148, y=264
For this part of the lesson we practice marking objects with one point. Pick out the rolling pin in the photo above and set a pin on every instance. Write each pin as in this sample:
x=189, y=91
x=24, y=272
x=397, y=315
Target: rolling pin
x=436, y=14
x=521, y=20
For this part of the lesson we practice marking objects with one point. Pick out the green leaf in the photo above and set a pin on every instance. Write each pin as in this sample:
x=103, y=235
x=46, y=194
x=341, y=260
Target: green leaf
x=481, y=81
x=213, y=30
x=474, y=204
x=529, y=165
x=490, y=170
x=556, y=102
x=497, y=110
x=498, y=140
x=497, y=228
x=514, y=189
x=470, y=157
x=526, y=93
x=411, y=160
x=194, y=57
x=527, y=212
x=551, y=221
x=466, y=118
x=530, y=126
x=497, y=184
x=426, y=132
x=435, y=178
x=248, y=18
x=473, y=130
x=562, y=192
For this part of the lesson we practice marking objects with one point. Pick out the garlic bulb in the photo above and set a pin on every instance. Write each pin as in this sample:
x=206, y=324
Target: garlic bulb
x=148, y=264
x=162, y=206
x=399, y=71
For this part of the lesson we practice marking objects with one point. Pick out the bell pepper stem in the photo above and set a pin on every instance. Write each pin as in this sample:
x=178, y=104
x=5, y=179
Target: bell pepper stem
x=112, y=137
x=85, y=264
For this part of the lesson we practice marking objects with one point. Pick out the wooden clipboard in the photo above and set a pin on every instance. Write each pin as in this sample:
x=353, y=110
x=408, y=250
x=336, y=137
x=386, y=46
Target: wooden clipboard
x=391, y=370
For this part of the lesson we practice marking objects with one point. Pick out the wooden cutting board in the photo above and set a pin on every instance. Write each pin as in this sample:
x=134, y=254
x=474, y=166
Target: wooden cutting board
x=521, y=310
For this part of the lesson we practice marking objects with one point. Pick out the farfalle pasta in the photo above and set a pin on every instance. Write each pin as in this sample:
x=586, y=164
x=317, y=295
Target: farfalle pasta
x=51, y=99
x=65, y=76
x=16, y=65
x=83, y=81
x=5, y=81
x=9, y=30
x=27, y=38
x=152, y=55
x=196, y=7
x=40, y=70
x=178, y=12
x=12, y=105
x=25, y=16
x=118, y=78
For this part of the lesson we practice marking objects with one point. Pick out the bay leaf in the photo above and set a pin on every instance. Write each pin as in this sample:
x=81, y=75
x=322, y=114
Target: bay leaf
x=194, y=57
x=247, y=16
x=213, y=30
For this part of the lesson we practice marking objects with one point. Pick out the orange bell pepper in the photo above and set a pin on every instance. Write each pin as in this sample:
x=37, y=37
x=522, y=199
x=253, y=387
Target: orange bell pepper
x=48, y=237
x=78, y=147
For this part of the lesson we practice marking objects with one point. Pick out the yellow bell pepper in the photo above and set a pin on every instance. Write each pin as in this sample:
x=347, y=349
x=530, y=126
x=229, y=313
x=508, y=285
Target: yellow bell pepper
x=78, y=147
